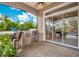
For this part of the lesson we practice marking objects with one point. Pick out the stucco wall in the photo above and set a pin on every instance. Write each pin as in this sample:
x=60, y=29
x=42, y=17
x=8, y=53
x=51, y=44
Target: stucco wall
x=40, y=23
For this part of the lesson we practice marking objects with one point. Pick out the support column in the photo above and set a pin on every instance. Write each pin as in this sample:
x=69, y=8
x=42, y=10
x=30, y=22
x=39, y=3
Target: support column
x=44, y=33
x=78, y=26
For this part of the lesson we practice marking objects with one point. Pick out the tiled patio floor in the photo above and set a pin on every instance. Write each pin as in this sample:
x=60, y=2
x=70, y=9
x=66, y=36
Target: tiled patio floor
x=46, y=49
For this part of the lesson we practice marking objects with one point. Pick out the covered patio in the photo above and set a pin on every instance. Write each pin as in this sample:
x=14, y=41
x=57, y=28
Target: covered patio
x=55, y=34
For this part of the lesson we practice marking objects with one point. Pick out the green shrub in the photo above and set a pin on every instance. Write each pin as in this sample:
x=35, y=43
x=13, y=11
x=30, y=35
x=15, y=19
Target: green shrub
x=6, y=47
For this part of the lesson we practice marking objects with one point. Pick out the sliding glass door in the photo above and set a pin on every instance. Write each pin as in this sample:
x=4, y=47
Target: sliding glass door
x=57, y=28
x=70, y=30
x=48, y=29
x=63, y=28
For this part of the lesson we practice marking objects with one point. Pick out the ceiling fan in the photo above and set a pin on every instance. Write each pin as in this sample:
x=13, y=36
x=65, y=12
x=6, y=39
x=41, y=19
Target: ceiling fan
x=40, y=5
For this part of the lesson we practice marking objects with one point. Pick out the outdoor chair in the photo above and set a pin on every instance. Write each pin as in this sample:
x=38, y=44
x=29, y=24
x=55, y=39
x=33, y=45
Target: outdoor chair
x=16, y=39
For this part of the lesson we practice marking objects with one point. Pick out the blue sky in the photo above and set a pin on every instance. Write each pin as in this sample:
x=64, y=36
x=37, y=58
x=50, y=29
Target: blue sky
x=17, y=14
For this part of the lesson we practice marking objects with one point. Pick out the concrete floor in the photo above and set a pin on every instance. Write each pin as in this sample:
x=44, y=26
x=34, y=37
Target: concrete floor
x=72, y=42
x=46, y=49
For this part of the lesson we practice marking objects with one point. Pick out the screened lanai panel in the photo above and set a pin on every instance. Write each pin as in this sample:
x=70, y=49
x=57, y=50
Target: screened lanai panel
x=14, y=19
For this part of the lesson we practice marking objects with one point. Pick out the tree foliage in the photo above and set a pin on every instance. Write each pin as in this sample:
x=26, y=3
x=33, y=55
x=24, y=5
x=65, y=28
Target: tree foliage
x=6, y=47
x=7, y=24
x=28, y=25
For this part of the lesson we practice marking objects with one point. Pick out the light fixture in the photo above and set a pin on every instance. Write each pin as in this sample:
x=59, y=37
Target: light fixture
x=40, y=5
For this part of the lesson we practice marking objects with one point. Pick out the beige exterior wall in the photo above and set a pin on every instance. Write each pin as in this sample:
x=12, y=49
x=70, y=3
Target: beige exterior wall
x=40, y=24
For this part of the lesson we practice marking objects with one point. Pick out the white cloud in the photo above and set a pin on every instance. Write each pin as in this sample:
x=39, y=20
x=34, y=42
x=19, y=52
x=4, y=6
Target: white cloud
x=21, y=22
x=1, y=21
x=23, y=16
x=0, y=15
x=32, y=15
x=15, y=8
x=11, y=19
x=35, y=20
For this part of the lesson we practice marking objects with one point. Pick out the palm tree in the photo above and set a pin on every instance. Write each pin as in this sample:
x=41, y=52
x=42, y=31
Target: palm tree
x=7, y=24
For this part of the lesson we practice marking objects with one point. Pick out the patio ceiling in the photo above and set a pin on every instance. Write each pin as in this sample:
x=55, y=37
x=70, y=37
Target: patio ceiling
x=22, y=6
x=38, y=5
x=32, y=7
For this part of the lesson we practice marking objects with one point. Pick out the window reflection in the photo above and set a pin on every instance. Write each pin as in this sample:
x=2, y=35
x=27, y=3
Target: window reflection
x=71, y=28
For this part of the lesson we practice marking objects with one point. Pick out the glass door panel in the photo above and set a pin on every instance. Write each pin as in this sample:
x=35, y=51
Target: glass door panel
x=48, y=26
x=70, y=29
x=57, y=28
